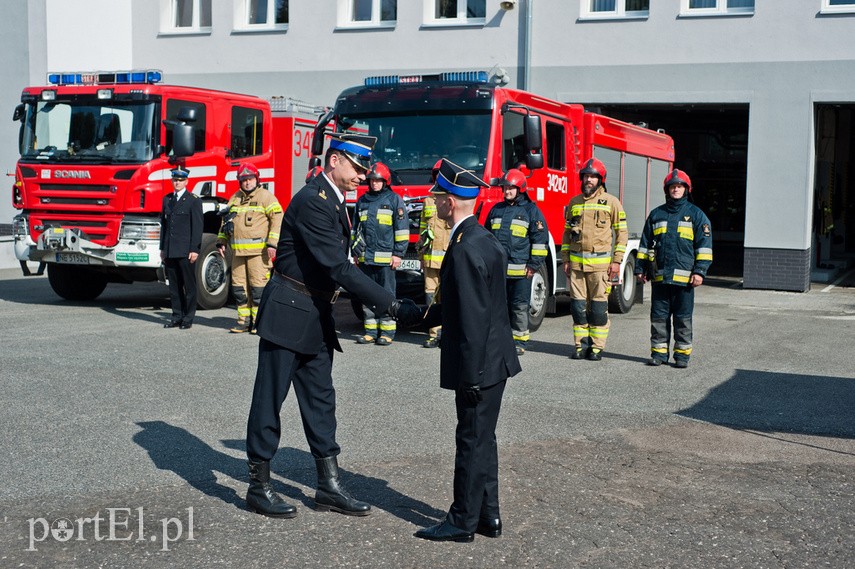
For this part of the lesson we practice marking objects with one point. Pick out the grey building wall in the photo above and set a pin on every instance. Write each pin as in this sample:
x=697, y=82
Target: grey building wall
x=14, y=66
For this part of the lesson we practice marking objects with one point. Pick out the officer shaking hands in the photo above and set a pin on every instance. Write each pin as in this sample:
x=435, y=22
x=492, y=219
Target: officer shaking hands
x=297, y=330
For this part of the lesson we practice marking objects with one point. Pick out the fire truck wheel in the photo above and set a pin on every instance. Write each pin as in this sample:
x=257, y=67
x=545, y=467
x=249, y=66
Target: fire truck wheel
x=622, y=296
x=76, y=283
x=212, y=276
x=539, y=298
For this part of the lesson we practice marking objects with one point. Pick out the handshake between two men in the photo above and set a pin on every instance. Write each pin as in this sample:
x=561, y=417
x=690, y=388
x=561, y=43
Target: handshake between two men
x=406, y=312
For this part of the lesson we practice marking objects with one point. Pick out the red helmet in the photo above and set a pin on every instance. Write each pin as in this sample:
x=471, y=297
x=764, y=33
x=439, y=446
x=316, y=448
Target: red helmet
x=312, y=173
x=677, y=177
x=246, y=171
x=435, y=170
x=514, y=177
x=379, y=171
x=595, y=168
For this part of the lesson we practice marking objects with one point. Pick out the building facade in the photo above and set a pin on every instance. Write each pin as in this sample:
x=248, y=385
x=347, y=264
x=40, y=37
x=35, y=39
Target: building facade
x=758, y=95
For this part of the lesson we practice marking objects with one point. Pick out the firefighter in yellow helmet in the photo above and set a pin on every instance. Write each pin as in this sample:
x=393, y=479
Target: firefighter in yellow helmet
x=251, y=229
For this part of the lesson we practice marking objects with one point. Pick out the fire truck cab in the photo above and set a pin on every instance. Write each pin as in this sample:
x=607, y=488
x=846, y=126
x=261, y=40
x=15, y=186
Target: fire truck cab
x=465, y=117
x=96, y=153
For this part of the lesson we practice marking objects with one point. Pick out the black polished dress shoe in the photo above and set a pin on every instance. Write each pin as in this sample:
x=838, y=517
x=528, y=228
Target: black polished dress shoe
x=186, y=326
x=489, y=527
x=445, y=532
x=172, y=325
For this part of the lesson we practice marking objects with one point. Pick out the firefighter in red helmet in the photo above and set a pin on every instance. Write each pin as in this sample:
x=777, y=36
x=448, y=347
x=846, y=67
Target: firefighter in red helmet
x=592, y=249
x=433, y=241
x=251, y=229
x=675, y=253
x=520, y=228
x=381, y=233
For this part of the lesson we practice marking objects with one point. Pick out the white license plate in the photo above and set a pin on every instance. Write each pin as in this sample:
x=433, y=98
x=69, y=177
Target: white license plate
x=72, y=258
x=410, y=265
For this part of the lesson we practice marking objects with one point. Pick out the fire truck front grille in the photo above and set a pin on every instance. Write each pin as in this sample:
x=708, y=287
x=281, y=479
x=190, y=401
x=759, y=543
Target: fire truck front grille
x=75, y=201
x=103, y=230
x=75, y=188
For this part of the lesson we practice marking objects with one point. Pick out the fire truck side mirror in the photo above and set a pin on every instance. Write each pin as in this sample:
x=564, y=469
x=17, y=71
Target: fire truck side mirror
x=183, y=140
x=533, y=142
x=187, y=114
x=19, y=113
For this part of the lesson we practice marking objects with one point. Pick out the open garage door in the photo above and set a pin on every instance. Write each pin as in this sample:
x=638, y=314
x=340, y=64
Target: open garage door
x=711, y=143
x=834, y=194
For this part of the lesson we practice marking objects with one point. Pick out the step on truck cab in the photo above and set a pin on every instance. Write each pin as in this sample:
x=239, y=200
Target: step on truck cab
x=476, y=123
x=96, y=150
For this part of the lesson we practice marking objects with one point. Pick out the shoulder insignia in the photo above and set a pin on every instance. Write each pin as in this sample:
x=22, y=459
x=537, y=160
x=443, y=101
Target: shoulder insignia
x=400, y=213
x=459, y=235
x=539, y=225
x=602, y=201
x=705, y=228
x=337, y=208
x=687, y=218
x=322, y=194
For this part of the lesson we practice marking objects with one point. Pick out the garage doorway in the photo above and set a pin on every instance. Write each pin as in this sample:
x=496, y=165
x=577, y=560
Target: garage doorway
x=711, y=144
x=834, y=192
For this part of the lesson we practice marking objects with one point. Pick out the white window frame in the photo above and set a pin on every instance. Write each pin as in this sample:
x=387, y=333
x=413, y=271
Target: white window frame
x=827, y=8
x=346, y=21
x=167, y=19
x=241, y=18
x=619, y=13
x=461, y=20
x=720, y=9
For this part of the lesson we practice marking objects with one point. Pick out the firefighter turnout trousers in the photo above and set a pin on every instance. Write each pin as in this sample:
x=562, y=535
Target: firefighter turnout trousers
x=379, y=324
x=431, y=284
x=589, y=293
x=249, y=275
x=671, y=307
x=519, y=297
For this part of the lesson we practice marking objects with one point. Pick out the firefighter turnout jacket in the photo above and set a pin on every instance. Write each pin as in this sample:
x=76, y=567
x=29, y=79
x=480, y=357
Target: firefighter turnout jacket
x=433, y=235
x=252, y=222
x=380, y=228
x=521, y=229
x=595, y=232
x=676, y=242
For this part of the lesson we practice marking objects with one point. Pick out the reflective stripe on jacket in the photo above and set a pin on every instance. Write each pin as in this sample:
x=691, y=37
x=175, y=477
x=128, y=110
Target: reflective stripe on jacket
x=595, y=232
x=381, y=228
x=677, y=241
x=521, y=229
x=256, y=222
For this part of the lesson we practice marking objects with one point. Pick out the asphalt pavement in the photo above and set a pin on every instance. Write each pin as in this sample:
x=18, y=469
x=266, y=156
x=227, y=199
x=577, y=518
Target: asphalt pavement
x=122, y=443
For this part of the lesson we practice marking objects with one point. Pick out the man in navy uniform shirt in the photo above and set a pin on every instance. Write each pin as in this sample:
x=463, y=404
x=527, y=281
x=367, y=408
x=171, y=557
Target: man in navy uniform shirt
x=297, y=330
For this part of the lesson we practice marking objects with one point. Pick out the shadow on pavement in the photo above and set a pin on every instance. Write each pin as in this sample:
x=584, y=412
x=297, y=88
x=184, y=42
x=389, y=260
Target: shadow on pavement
x=175, y=449
x=780, y=402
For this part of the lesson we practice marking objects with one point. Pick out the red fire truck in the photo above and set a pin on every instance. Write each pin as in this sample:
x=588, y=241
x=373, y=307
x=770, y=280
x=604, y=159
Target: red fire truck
x=96, y=151
x=465, y=117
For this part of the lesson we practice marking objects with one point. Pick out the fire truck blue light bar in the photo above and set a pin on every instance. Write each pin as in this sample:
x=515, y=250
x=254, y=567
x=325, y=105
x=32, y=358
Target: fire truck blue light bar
x=446, y=77
x=106, y=78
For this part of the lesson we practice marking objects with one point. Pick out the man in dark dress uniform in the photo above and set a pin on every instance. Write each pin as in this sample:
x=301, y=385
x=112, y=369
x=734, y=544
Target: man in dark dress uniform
x=180, y=243
x=295, y=323
x=478, y=354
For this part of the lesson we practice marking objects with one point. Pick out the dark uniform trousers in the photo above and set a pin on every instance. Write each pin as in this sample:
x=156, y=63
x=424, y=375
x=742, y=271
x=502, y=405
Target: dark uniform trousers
x=476, y=461
x=671, y=302
x=182, y=288
x=311, y=375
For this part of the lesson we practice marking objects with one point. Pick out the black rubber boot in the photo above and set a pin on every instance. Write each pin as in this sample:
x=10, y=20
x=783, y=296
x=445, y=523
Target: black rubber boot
x=261, y=498
x=331, y=495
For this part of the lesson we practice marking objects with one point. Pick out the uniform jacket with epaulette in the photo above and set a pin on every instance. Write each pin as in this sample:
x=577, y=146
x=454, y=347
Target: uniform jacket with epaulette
x=181, y=225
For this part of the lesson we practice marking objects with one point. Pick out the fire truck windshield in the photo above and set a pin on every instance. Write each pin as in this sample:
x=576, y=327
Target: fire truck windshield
x=410, y=144
x=89, y=130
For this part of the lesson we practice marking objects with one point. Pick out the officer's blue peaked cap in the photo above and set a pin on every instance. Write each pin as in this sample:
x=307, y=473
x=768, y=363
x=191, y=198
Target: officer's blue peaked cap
x=357, y=148
x=457, y=181
x=180, y=172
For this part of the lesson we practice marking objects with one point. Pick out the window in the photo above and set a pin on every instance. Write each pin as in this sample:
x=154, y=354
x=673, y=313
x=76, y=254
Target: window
x=554, y=145
x=367, y=13
x=173, y=108
x=455, y=12
x=247, y=132
x=513, y=141
x=185, y=16
x=261, y=15
x=602, y=9
x=716, y=7
x=837, y=6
